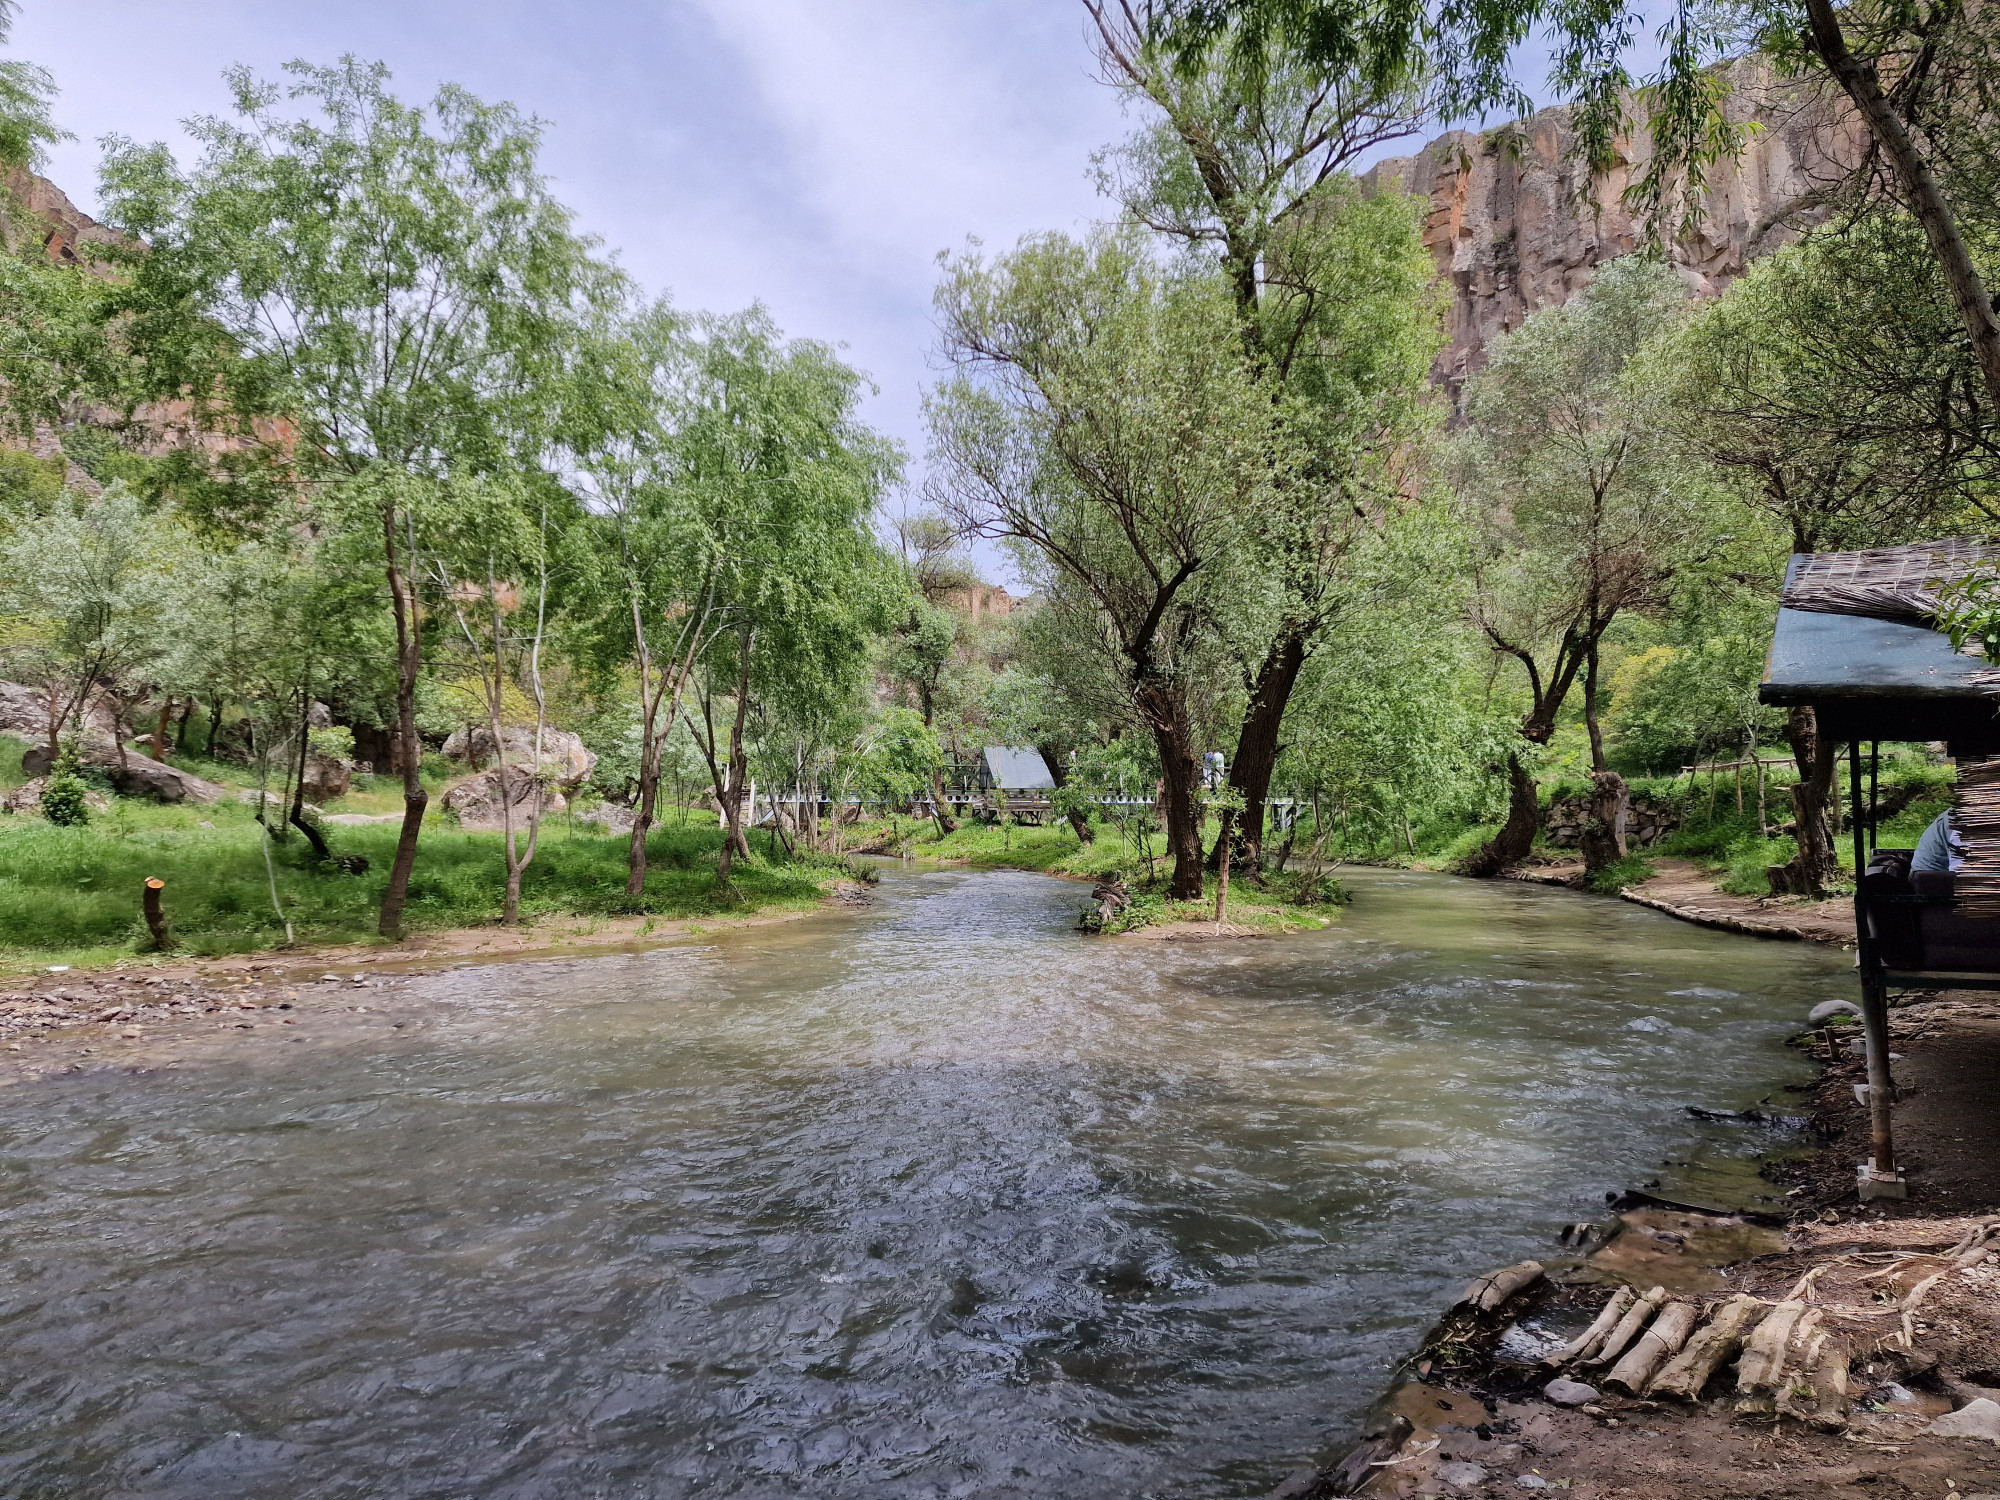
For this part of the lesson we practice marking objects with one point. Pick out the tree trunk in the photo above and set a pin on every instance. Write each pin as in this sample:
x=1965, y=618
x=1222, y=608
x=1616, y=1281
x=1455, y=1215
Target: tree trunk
x=1164, y=709
x=1604, y=833
x=1919, y=186
x=1517, y=835
x=1257, y=743
x=945, y=821
x=181, y=729
x=1059, y=774
x=160, y=729
x=1814, y=815
x=649, y=784
x=408, y=749
x=733, y=841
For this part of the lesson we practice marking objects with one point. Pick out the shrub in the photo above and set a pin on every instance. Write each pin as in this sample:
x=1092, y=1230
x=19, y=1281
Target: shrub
x=63, y=796
x=1620, y=873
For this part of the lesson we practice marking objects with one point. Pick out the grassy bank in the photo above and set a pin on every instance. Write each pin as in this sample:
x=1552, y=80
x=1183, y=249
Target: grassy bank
x=1280, y=903
x=1712, y=831
x=71, y=895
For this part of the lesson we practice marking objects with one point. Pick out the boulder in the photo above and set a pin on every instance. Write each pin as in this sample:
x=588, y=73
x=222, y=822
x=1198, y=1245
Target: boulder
x=327, y=776
x=613, y=817
x=140, y=776
x=476, y=803
x=565, y=762
x=1976, y=1419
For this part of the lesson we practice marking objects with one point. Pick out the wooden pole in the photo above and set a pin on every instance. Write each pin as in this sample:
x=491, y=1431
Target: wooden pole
x=1222, y=885
x=156, y=919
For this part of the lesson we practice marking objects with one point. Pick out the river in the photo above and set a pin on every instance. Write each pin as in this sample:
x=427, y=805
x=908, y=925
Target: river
x=931, y=1199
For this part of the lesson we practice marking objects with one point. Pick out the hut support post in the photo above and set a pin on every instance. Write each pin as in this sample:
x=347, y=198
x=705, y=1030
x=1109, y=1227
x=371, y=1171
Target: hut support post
x=1877, y=1177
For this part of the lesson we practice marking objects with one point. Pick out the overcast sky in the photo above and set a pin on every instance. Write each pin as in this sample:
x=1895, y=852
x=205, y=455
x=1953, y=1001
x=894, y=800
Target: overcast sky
x=812, y=154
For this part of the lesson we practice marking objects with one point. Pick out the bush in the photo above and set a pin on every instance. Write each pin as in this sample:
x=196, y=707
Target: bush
x=1749, y=858
x=63, y=797
x=1615, y=876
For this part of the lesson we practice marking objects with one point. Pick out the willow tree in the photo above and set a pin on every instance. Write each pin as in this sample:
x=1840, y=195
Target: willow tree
x=1827, y=387
x=1244, y=163
x=784, y=480
x=1580, y=514
x=657, y=566
x=1103, y=414
x=392, y=281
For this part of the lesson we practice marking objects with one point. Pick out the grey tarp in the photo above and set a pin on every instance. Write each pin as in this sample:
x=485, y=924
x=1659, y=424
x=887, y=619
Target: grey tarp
x=1014, y=769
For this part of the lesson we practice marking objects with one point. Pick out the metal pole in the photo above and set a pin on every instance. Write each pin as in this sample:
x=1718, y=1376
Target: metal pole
x=1877, y=1177
x=1874, y=792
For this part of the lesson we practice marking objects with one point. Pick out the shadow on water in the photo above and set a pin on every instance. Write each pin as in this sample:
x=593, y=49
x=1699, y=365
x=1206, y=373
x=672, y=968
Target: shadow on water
x=934, y=1199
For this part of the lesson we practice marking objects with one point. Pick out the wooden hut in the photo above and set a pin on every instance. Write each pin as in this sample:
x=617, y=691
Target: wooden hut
x=1856, y=642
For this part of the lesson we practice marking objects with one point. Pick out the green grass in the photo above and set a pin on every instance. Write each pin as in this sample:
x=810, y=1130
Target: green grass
x=71, y=895
x=1614, y=877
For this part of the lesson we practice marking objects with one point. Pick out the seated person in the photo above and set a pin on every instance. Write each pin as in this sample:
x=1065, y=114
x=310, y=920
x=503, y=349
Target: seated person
x=1940, y=851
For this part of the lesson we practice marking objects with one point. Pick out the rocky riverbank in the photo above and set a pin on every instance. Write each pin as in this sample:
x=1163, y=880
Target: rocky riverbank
x=144, y=1012
x=1878, y=1371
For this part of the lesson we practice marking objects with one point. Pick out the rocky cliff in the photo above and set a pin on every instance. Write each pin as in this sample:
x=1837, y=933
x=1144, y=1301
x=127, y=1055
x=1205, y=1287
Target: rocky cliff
x=1516, y=223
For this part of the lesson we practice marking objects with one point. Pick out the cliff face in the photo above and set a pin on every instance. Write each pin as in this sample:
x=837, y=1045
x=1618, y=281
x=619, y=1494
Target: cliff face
x=62, y=226
x=1513, y=226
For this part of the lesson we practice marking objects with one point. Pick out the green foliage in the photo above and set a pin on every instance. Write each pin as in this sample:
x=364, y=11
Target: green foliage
x=1969, y=610
x=1827, y=385
x=1614, y=877
x=63, y=794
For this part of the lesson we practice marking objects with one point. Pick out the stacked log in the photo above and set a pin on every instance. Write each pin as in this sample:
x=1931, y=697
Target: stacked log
x=1787, y=1361
x=1669, y=1331
x=1683, y=1377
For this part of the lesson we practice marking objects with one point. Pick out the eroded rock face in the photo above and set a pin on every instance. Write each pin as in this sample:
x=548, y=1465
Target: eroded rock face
x=1513, y=227
x=565, y=762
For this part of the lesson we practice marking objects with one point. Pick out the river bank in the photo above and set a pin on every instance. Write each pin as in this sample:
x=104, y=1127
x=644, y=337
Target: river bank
x=1905, y=1290
x=135, y=1012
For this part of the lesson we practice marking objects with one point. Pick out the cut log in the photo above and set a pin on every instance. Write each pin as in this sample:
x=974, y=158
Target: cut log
x=1671, y=1327
x=1585, y=1344
x=1495, y=1287
x=1687, y=1373
x=1816, y=1389
x=1636, y=1317
x=1762, y=1367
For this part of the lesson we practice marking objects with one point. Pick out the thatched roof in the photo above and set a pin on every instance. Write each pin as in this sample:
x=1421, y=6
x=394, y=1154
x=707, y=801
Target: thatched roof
x=1884, y=583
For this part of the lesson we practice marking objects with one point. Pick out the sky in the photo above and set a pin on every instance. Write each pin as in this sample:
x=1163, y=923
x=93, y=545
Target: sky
x=814, y=155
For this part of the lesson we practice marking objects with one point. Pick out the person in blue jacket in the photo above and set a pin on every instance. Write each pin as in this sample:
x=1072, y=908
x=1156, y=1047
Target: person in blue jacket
x=1940, y=851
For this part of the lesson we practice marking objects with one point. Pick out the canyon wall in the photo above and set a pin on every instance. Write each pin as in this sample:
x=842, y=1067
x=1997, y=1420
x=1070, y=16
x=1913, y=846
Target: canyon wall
x=1513, y=225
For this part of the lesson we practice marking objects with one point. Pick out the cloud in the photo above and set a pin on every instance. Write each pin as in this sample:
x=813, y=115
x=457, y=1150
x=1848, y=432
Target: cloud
x=814, y=155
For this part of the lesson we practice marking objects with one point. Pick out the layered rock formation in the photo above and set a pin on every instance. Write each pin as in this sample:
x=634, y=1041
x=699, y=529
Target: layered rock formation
x=1516, y=222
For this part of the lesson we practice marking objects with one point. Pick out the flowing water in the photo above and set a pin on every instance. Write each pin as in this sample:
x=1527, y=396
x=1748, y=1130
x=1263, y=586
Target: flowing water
x=932, y=1199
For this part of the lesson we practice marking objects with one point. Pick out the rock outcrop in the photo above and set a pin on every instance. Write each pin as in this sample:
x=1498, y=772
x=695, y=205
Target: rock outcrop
x=565, y=762
x=476, y=801
x=1516, y=223
x=139, y=776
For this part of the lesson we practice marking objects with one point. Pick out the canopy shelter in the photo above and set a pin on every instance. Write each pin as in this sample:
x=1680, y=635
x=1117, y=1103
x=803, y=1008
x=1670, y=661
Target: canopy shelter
x=1856, y=642
x=1014, y=768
